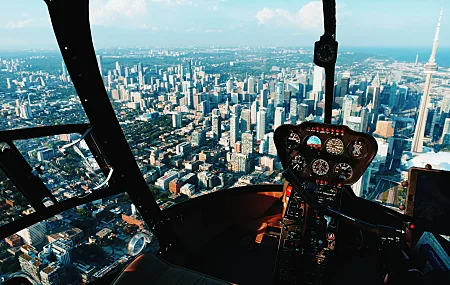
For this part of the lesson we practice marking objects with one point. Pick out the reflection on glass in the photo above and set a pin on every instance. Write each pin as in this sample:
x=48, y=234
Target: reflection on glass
x=91, y=242
x=67, y=171
x=314, y=142
x=12, y=203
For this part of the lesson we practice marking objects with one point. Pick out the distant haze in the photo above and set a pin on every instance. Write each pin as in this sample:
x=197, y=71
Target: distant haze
x=386, y=23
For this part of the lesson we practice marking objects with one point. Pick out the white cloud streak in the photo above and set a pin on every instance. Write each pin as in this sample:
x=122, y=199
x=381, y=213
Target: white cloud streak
x=105, y=12
x=213, y=31
x=173, y=2
x=309, y=17
x=20, y=24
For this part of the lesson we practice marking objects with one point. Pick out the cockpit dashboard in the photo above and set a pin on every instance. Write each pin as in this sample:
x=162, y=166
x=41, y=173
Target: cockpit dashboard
x=315, y=151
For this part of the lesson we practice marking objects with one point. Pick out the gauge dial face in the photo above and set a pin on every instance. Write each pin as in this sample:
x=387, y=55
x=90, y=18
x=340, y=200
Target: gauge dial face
x=298, y=163
x=326, y=53
x=292, y=141
x=320, y=167
x=343, y=171
x=358, y=149
x=334, y=146
x=314, y=142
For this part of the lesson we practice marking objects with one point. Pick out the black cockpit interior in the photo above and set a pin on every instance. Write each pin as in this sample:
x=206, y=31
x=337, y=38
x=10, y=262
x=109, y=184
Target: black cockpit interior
x=309, y=229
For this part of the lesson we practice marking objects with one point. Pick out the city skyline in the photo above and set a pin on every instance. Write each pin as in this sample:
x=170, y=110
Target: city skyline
x=116, y=23
x=197, y=121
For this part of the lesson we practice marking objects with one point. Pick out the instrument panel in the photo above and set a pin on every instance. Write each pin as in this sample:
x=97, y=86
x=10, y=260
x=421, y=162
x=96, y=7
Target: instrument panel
x=332, y=153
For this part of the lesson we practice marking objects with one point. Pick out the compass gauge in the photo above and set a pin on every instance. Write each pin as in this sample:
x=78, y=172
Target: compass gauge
x=326, y=53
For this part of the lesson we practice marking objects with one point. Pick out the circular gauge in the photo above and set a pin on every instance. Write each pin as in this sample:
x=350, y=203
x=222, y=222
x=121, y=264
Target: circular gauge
x=357, y=149
x=298, y=163
x=320, y=167
x=292, y=141
x=326, y=53
x=343, y=171
x=314, y=142
x=334, y=146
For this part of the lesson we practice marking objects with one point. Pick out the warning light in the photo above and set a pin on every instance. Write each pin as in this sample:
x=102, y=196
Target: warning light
x=288, y=191
x=412, y=226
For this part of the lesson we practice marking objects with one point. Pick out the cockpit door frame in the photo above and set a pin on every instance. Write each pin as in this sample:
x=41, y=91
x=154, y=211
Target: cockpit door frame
x=70, y=21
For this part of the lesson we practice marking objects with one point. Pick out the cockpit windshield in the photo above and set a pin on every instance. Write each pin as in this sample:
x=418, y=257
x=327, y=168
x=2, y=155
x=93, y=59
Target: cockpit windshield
x=199, y=88
x=201, y=118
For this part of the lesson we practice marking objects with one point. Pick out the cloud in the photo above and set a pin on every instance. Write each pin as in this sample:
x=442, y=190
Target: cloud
x=190, y=30
x=173, y=2
x=309, y=17
x=19, y=24
x=213, y=31
x=105, y=12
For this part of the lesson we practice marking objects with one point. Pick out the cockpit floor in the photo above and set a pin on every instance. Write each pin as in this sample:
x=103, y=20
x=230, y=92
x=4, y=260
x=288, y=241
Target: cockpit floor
x=233, y=256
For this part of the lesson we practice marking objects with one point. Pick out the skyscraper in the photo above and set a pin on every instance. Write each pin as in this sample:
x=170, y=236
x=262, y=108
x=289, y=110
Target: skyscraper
x=272, y=147
x=216, y=124
x=251, y=85
x=318, y=78
x=343, y=87
x=303, y=112
x=99, y=63
x=34, y=234
x=279, y=94
x=234, y=129
x=446, y=129
x=229, y=85
x=63, y=68
x=279, y=117
x=247, y=143
x=373, y=93
x=364, y=119
x=198, y=137
x=245, y=120
x=176, y=120
x=264, y=97
x=254, y=111
x=293, y=111
x=25, y=111
x=430, y=69
x=261, y=123
x=393, y=96
x=348, y=107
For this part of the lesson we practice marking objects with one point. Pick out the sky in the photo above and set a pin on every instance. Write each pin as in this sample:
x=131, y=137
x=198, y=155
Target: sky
x=170, y=23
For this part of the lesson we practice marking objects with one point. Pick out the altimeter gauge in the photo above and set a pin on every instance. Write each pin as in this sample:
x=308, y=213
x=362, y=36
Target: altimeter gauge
x=334, y=146
x=320, y=167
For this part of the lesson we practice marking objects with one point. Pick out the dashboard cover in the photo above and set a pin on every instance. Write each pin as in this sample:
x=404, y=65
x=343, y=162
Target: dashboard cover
x=332, y=153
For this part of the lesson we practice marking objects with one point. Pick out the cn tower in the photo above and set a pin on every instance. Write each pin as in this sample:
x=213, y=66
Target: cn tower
x=430, y=69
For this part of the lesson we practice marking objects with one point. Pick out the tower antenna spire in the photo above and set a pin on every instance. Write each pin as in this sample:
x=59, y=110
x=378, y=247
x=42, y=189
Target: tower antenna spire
x=436, y=38
x=430, y=69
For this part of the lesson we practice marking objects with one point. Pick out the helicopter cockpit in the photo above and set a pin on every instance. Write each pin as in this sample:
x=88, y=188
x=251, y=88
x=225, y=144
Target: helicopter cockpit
x=170, y=219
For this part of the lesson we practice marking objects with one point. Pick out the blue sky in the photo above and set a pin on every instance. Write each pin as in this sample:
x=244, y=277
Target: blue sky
x=26, y=24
